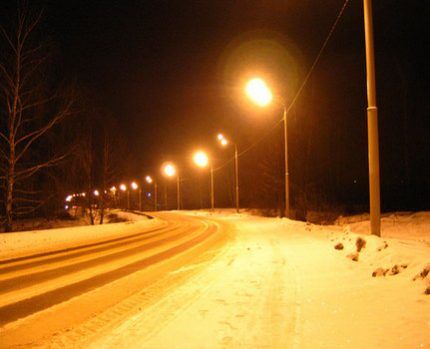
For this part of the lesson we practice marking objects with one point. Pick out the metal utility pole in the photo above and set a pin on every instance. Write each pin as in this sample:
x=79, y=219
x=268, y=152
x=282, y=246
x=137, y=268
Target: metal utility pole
x=165, y=196
x=287, y=181
x=236, y=171
x=178, y=193
x=155, y=196
x=140, y=199
x=372, y=123
x=212, y=188
x=128, y=199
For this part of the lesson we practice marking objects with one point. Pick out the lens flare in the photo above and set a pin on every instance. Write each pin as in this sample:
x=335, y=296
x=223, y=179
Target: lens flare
x=169, y=170
x=257, y=90
x=201, y=159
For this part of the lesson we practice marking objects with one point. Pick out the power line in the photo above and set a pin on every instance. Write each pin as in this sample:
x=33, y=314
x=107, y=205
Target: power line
x=296, y=96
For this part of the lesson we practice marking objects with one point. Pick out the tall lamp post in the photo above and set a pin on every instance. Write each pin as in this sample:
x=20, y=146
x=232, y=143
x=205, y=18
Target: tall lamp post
x=150, y=180
x=135, y=186
x=113, y=191
x=123, y=188
x=201, y=159
x=258, y=91
x=169, y=170
x=224, y=142
x=372, y=124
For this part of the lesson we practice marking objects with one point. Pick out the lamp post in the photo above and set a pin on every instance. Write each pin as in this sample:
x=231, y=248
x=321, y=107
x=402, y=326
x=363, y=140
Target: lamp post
x=169, y=170
x=113, y=191
x=372, y=124
x=123, y=188
x=133, y=186
x=258, y=91
x=224, y=142
x=149, y=180
x=201, y=159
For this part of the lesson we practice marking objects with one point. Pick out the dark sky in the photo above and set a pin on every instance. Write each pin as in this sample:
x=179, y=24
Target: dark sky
x=171, y=72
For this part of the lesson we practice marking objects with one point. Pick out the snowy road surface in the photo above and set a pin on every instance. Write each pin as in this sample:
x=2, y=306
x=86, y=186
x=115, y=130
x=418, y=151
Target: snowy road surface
x=219, y=281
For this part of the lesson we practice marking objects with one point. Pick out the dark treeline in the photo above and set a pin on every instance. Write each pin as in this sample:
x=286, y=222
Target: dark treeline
x=54, y=137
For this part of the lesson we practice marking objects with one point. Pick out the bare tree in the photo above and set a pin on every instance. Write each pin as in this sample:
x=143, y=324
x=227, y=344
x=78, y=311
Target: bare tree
x=29, y=112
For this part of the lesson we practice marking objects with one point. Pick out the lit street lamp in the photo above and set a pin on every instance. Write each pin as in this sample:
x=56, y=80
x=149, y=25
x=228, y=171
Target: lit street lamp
x=113, y=191
x=224, y=142
x=123, y=188
x=257, y=90
x=169, y=170
x=150, y=180
x=133, y=186
x=201, y=159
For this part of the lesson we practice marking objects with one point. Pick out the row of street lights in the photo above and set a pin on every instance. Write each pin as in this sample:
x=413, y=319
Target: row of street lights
x=259, y=92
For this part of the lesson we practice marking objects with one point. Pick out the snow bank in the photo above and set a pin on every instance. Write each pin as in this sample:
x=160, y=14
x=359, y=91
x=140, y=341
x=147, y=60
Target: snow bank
x=24, y=243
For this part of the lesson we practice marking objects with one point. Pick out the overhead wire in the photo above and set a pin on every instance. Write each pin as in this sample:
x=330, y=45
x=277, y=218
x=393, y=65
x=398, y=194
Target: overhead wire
x=303, y=84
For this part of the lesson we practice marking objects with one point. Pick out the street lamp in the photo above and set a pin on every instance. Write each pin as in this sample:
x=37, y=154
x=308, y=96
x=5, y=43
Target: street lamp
x=258, y=91
x=123, y=188
x=150, y=180
x=113, y=191
x=201, y=159
x=224, y=142
x=135, y=186
x=169, y=170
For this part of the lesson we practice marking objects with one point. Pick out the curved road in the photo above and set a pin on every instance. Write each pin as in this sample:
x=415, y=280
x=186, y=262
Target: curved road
x=64, y=287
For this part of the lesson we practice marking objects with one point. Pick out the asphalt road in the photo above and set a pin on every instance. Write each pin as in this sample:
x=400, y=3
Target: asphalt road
x=56, y=288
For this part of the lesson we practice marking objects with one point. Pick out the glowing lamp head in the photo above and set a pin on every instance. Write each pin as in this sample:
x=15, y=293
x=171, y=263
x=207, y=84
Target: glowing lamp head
x=123, y=187
x=113, y=189
x=220, y=136
x=169, y=170
x=201, y=159
x=224, y=142
x=96, y=192
x=148, y=179
x=257, y=90
x=69, y=198
x=134, y=185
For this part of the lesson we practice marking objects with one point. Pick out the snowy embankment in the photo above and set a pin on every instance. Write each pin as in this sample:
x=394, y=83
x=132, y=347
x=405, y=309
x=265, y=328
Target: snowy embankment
x=280, y=284
x=23, y=243
x=283, y=284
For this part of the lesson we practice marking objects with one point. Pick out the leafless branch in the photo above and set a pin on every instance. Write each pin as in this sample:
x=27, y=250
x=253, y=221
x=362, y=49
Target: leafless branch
x=28, y=172
x=33, y=136
x=8, y=39
x=17, y=199
x=2, y=135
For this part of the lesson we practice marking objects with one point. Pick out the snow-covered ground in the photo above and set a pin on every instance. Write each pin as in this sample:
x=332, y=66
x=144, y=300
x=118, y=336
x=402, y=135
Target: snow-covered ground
x=282, y=284
x=24, y=243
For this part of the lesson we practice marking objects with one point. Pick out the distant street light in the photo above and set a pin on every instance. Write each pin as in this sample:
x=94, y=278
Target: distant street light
x=169, y=170
x=150, y=180
x=96, y=192
x=224, y=142
x=133, y=186
x=257, y=90
x=113, y=191
x=201, y=159
x=123, y=188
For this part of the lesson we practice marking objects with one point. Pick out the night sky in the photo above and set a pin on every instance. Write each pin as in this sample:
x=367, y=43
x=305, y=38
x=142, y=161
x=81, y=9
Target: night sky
x=172, y=72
